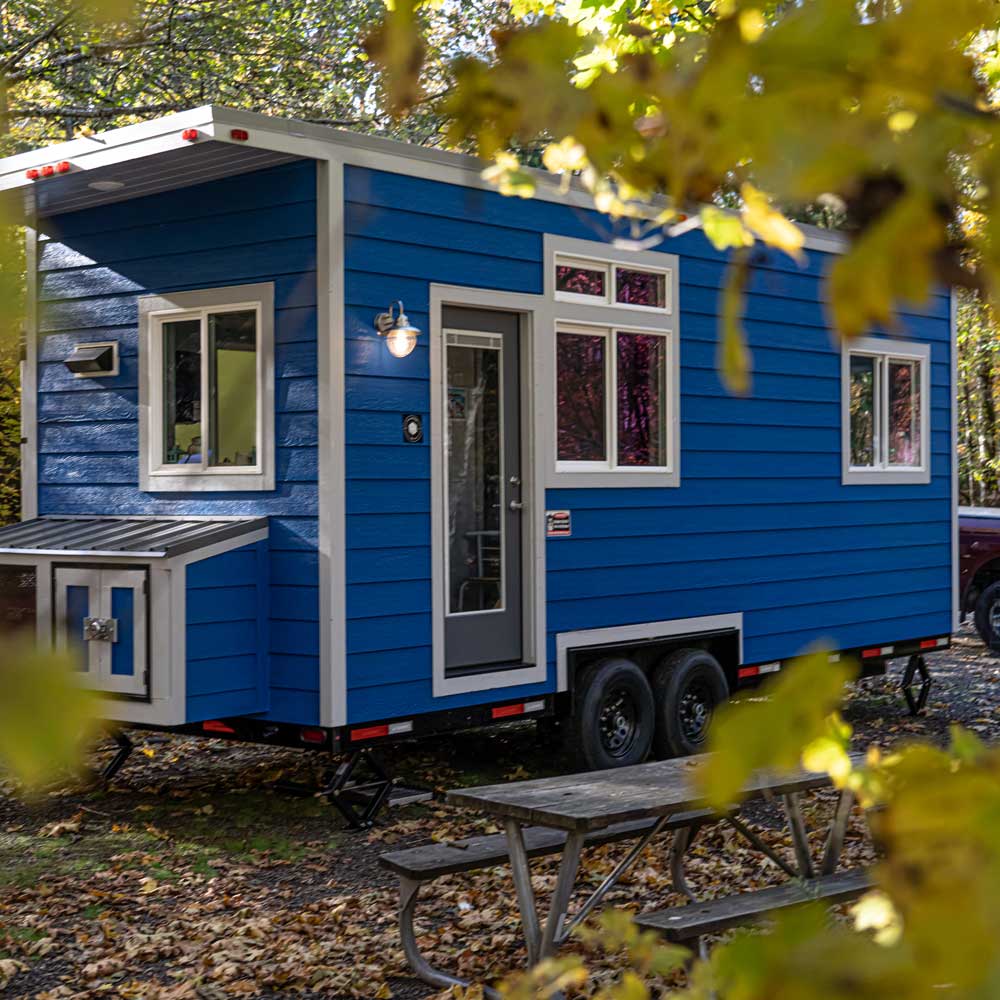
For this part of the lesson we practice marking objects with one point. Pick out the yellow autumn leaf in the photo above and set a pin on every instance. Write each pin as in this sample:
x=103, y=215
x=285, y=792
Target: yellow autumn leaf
x=46, y=716
x=770, y=732
x=875, y=912
x=769, y=224
x=734, y=356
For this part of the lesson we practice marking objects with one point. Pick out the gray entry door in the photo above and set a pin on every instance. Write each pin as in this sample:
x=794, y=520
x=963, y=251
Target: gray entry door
x=482, y=446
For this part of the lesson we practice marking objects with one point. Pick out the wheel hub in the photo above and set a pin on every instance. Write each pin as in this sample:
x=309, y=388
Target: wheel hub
x=618, y=723
x=995, y=616
x=695, y=711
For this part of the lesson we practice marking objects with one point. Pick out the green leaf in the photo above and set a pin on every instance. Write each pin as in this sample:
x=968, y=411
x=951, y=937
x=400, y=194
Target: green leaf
x=769, y=731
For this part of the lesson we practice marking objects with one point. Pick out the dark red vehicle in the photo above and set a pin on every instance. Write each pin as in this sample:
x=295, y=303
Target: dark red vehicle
x=979, y=570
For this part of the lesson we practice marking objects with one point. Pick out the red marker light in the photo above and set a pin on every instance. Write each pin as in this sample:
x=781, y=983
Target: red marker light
x=63, y=167
x=315, y=736
x=239, y=134
x=215, y=726
x=48, y=171
x=189, y=134
x=33, y=174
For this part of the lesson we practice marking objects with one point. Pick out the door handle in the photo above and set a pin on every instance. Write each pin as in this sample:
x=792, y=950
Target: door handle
x=516, y=505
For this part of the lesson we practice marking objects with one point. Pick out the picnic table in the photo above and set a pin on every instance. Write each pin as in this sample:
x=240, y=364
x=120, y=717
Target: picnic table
x=567, y=813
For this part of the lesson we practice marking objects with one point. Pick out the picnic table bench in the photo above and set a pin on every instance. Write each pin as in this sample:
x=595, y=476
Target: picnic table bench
x=566, y=814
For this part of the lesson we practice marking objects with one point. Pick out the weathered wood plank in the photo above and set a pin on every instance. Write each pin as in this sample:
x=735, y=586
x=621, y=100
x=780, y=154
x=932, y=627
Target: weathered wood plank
x=597, y=799
x=681, y=923
x=434, y=860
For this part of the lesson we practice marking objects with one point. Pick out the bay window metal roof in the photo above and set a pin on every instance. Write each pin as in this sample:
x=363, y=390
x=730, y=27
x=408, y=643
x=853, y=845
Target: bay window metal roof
x=146, y=537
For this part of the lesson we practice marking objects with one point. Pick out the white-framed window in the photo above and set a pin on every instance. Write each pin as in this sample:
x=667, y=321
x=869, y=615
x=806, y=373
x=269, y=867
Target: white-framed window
x=885, y=411
x=598, y=281
x=207, y=389
x=613, y=399
x=611, y=356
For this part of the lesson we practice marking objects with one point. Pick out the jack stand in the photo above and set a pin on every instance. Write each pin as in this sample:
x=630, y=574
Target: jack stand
x=358, y=802
x=125, y=748
x=916, y=665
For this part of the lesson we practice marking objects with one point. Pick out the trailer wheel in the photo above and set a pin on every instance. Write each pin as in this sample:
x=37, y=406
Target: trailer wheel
x=613, y=720
x=687, y=686
x=988, y=616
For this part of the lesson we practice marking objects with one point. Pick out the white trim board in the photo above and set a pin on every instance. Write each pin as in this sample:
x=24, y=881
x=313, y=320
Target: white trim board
x=566, y=641
x=331, y=363
x=530, y=307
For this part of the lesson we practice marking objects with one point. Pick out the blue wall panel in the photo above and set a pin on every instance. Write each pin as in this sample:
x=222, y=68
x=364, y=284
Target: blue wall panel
x=226, y=633
x=761, y=522
x=94, y=264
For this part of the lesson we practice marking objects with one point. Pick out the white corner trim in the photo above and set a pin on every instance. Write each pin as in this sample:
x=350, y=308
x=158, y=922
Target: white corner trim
x=614, y=318
x=956, y=591
x=29, y=382
x=885, y=347
x=331, y=346
x=566, y=641
x=530, y=307
x=154, y=310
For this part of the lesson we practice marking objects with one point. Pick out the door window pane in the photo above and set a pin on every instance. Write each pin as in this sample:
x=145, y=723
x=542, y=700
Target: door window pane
x=475, y=488
x=862, y=410
x=182, y=392
x=17, y=598
x=579, y=279
x=580, y=375
x=904, y=413
x=642, y=367
x=232, y=353
x=640, y=288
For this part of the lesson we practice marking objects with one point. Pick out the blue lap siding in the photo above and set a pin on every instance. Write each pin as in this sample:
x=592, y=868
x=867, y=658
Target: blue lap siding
x=760, y=523
x=226, y=634
x=93, y=265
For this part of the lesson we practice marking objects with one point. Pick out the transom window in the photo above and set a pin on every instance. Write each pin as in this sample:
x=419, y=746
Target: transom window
x=601, y=282
x=886, y=386
x=612, y=405
x=209, y=368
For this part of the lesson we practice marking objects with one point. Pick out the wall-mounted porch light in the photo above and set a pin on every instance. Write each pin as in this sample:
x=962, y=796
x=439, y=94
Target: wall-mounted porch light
x=93, y=360
x=400, y=335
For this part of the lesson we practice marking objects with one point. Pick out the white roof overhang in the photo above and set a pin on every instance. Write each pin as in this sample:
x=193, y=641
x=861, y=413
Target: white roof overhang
x=153, y=156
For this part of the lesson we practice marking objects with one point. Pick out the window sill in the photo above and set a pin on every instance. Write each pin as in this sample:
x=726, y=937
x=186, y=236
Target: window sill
x=207, y=483
x=606, y=478
x=886, y=477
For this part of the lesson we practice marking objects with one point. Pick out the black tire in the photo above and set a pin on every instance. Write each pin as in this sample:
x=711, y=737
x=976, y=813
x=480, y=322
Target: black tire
x=988, y=616
x=687, y=687
x=613, y=718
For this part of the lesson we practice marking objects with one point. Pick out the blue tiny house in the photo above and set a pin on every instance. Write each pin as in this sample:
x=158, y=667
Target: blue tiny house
x=258, y=510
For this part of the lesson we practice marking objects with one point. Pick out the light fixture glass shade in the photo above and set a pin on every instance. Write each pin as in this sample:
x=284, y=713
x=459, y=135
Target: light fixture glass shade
x=401, y=340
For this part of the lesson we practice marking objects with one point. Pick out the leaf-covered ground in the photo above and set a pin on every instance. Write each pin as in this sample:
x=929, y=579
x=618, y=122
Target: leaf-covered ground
x=192, y=877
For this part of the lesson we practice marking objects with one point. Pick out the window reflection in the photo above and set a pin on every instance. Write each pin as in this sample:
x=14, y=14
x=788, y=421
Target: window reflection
x=475, y=489
x=581, y=405
x=641, y=395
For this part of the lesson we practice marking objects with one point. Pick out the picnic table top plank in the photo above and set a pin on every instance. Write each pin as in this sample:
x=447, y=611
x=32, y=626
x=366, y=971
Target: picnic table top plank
x=593, y=800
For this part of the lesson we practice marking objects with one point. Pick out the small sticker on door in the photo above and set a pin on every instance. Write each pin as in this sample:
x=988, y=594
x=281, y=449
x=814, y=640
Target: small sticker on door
x=558, y=524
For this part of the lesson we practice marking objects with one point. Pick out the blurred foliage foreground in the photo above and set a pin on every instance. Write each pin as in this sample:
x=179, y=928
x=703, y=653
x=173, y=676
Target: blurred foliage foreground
x=927, y=930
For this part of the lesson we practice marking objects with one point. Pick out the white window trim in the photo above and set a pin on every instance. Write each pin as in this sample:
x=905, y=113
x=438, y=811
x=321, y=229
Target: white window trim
x=610, y=335
x=154, y=311
x=582, y=311
x=885, y=349
x=610, y=266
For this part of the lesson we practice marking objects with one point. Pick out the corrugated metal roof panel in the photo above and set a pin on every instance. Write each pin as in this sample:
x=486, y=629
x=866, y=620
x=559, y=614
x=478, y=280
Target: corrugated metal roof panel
x=150, y=537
